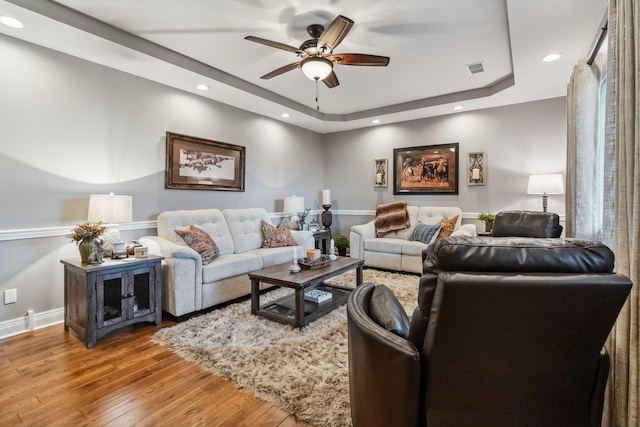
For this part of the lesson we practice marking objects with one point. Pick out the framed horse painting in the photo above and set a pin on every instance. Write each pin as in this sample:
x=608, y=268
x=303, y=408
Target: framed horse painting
x=430, y=169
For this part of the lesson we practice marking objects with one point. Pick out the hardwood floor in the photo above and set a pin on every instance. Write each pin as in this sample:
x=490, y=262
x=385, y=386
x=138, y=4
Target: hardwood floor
x=49, y=378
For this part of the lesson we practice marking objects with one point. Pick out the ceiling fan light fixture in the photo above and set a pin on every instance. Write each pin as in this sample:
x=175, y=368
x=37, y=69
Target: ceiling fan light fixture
x=316, y=67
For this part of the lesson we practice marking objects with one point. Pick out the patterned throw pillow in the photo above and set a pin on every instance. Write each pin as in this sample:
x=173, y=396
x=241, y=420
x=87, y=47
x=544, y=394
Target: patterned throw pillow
x=448, y=225
x=425, y=233
x=276, y=237
x=200, y=241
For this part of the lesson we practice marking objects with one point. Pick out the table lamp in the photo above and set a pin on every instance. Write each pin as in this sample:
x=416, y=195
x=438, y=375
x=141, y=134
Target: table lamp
x=545, y=184
x=293, y=205
x=111, y=210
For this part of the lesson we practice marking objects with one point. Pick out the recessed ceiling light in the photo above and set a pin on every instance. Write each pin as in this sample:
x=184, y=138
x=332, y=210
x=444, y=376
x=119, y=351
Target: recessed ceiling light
x=285, y=115
x=202, y=87
x=11, y=22
x=375, y=121
x=458, y=108
x=551, y=57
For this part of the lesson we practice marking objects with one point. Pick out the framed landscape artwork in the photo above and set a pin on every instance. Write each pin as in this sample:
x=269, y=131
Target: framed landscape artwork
x=200, y=164
x=430, y=169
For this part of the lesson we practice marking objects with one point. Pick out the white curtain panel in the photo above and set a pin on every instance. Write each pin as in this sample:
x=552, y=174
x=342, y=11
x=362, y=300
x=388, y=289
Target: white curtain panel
x=622, y=206
x=585, y=154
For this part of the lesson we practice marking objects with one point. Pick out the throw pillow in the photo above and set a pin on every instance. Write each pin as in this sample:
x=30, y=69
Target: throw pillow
x=425, y=233
x=276, y=237
x=448, y=225
x=200, y=241
x=387, y=312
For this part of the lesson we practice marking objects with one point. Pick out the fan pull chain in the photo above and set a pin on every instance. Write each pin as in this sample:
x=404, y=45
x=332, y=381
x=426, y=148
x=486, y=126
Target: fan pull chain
x=317, y=97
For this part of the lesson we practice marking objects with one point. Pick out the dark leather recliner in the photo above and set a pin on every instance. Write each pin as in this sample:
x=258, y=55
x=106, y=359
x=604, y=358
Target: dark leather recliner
x=507, y=332
x=526, y=224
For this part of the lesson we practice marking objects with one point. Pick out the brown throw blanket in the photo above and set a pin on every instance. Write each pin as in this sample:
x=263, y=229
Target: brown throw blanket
x=391, y=217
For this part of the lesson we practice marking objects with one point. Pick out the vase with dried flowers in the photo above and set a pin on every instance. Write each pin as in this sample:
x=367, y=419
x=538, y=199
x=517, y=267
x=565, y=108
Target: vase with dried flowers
x=84, y=235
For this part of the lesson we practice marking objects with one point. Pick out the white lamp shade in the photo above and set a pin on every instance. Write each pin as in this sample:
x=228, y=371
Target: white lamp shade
x=293, y=204
x=551, y=183
x=316, y=68
x=110, y=208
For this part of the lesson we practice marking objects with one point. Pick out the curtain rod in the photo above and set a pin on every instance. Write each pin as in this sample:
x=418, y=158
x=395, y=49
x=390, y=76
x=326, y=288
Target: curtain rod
x=596, y=48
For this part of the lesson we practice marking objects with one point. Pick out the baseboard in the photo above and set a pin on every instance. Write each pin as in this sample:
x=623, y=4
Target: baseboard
x=12, y=327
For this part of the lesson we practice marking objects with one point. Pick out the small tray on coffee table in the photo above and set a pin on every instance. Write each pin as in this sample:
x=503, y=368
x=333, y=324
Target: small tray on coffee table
x=308, y=264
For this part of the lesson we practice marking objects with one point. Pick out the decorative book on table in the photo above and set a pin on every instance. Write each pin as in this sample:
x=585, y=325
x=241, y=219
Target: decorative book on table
x=317, y=295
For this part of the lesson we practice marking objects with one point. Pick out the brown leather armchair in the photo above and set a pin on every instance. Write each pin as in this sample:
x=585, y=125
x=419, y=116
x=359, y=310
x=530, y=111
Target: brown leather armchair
x=507, y=332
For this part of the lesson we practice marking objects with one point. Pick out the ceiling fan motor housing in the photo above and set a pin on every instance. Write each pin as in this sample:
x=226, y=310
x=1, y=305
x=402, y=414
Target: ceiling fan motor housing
x=315, y=30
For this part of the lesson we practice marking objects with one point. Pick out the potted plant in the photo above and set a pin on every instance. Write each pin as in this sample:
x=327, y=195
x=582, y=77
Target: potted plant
x=488, y=219
x=342, y=243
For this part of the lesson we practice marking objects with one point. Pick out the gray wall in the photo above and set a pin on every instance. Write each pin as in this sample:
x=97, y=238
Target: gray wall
x=519, y=140
x=71, y=128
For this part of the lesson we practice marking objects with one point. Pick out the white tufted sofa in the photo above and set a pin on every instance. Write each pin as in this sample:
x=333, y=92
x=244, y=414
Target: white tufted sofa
x=395, y=251
x=187, y=285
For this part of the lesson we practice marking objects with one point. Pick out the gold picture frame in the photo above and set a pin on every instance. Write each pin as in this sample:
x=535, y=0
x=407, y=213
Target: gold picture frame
x=430, y=169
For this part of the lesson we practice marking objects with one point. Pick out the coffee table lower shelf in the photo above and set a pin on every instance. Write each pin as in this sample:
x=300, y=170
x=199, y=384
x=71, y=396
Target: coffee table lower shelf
x=284, y=309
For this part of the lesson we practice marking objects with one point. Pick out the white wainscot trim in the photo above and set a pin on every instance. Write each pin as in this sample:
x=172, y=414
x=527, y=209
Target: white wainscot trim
x=12, y=327
x=36, y=233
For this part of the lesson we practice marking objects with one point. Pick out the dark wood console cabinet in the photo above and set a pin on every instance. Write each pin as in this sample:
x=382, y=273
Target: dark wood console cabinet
x=99, y=298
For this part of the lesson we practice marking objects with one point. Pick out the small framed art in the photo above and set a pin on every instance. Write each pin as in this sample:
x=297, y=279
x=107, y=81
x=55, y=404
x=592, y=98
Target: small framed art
x=380, y=172
x=477, y=168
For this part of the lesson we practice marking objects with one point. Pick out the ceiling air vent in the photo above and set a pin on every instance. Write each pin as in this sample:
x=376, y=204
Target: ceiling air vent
x=475, y=68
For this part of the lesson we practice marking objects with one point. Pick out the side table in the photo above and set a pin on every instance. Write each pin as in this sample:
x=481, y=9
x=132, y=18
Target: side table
x=322, y=238
x=99, y=298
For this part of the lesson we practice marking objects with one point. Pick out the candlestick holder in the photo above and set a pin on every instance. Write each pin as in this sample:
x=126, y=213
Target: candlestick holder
x=295, y=268
x=332, y=252
x=327, y=217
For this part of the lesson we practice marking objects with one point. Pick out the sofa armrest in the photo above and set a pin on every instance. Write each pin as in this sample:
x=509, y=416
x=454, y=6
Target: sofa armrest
x=304, y=238
x=357, y=236
x=181, y=275
x=466, y=230
x=160, y=246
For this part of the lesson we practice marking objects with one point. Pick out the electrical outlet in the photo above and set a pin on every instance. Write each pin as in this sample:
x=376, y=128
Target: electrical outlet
x=10, y=296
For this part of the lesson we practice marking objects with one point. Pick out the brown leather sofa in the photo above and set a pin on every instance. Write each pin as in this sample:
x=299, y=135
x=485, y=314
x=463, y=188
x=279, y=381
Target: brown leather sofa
x=507, y=332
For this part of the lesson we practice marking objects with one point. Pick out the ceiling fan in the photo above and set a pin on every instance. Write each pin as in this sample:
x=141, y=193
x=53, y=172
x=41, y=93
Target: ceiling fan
x=317, y=57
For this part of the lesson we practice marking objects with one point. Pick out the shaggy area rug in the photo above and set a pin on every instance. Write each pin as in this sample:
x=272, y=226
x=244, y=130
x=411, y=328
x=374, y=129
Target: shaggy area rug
x=304, y=372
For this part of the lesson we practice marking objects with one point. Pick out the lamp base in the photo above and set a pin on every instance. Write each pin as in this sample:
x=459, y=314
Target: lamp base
x=109, y=237
x=545, y=199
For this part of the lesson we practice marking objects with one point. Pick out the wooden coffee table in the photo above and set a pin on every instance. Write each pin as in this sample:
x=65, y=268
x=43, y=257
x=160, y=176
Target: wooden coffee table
x=294, y=309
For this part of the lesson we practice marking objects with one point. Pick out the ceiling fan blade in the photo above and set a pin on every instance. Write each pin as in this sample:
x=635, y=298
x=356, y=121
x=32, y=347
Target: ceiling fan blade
x=280, y=70
x=331, y=80
x=335, y=32
x=271, y=43
x=359, y=59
